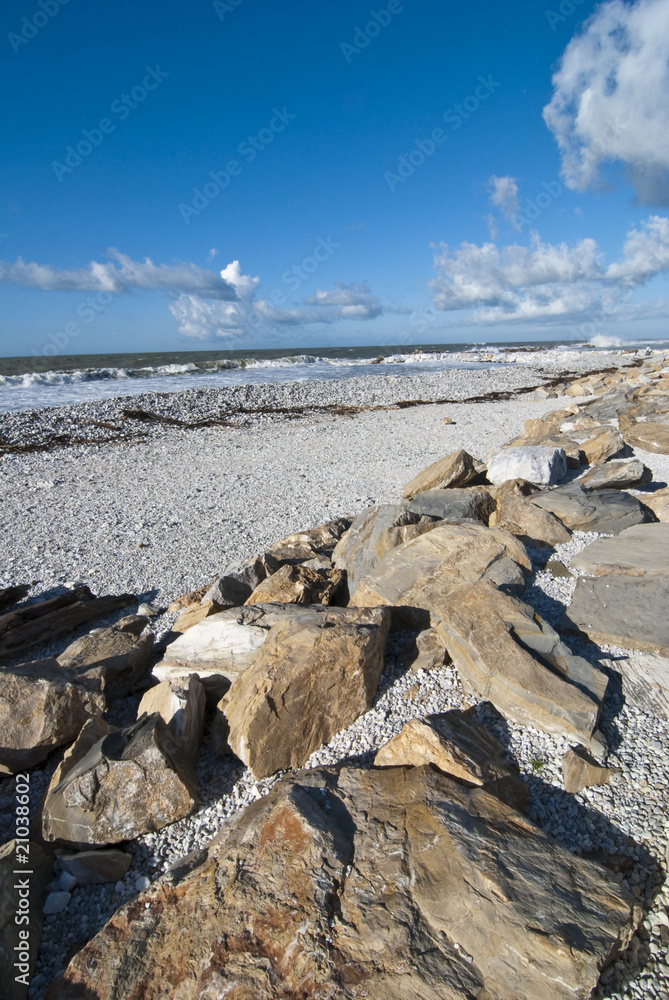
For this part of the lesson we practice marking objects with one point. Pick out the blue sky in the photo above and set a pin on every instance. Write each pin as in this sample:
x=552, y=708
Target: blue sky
x=408, y=172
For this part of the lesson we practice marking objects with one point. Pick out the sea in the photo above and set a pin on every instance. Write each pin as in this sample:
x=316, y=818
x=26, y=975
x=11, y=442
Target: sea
x=34, y=382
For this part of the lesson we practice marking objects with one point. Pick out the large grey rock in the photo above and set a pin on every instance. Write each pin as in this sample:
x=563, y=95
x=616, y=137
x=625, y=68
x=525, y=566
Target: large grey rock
x=642, y=550
x=22, y=892
x=469, y=504
x=40, y=710
x=645, y=680
x=540, y=465
x=506, y=654
x=236, y=582
x=622, y=610
x=130, y=782
x=112, y=660
x=606, y=511
x=309, y=681
x=616, y=475
x=461, y=747
x=222, y=646
x=415, y=577
x=456, y=469
x=374, y=532
x=391, y=883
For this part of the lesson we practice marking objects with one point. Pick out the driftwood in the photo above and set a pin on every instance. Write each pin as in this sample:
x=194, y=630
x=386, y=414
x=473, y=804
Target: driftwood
x=17, y=633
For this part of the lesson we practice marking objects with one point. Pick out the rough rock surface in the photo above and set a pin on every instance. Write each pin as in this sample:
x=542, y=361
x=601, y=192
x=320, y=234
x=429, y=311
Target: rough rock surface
x=417, y=575
x=470, y=504
x=539, y=465
x=461, y=747
x=581, y=771
x=305, y=545
x=618, y=475
x=642, y=550
x=308, y=682
x=425, y=652
x=658, y=502
x=456, y=469
x=648, y=435
x=193, y=615
x=529, y=523
x=181, y=704
x=622, y=610
x=645, y=678
x=236, y=582
x=112, y=660
x=373, y=533
x=606, y=511
x=130, y=782
x=390, y=884
x=13, y=940
x=605, y=445
x=39, y=710
x=295, y=584
x=492, y=638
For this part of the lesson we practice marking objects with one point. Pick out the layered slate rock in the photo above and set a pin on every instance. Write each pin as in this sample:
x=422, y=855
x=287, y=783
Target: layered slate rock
x=309, y=681
x=221, y=648
x=581, y=771
x=389, y=883
x=456, y=469
x=237, y=582
x=181, y=704
x=506, y=654
x=606, y=511
x=542, y=466
x=425, y=652
x=373, y=533
x=617, y=475
x=40, y=710
x=658, y=503
x=306, y=545
x=295, y=584
x=529, y=523
x=645, y=679
x=21, y=913
x=130, y=782
x=113, y=660
x=605, y=445
x=470, y=504
x=461, y=747
x=416, y=577
x=624, y=598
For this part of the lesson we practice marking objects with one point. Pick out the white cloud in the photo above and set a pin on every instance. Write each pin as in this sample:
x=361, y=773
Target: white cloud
x=611, y=98
x=232, y=320
x=119, y=274
x=504, y=195
x=212, y=253
x=547, y=281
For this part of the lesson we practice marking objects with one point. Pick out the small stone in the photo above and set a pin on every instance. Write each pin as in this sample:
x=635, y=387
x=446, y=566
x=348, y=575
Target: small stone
x=447, y=420
x=67, y=882
x=149, y=610
x=581, y=771
x=142, y=883
x=56, y=902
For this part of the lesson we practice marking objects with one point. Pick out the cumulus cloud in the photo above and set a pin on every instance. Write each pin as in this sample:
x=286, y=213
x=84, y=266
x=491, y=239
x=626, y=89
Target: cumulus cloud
x=119, y=274
x=548, y=281
x=504, y=195
x=233, y=320
x=611, y=98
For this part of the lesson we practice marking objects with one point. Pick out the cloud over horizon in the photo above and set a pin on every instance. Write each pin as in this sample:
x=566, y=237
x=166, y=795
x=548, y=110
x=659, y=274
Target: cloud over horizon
x=548, y=281
x=611, y=99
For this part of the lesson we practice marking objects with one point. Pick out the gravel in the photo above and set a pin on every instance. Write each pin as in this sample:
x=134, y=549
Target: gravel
x=161, y=517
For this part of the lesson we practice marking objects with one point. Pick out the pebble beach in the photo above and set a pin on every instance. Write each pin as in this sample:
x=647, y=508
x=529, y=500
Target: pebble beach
x=100, y=494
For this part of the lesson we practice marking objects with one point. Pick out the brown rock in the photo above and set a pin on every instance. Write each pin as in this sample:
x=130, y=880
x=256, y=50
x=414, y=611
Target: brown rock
x=425, y=652
x=19, y=937
x=308, y=682
x=186, y=600
x=293, y=584
x=112, y=660
x=492, y=638
x=418, y=575
x=96, y=867
x=537, y=429
x=237, y=582
x=193, y=615
x=580, y=770
x=648, y=435
x=529, y=523
x=181, y=704
x=456, y=469
x=386, y=883
x=130, y=782
x=306, y=545
x=22, y=629
x=658, y=502
x=603, y=446
x=461, y=747
x=617, y=475
x=40, y=710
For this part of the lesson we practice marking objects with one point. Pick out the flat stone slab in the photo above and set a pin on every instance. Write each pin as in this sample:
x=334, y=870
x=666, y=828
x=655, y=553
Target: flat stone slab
x=642, y=550
x=607, y=511
x=645, y=681
x=622, y=610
